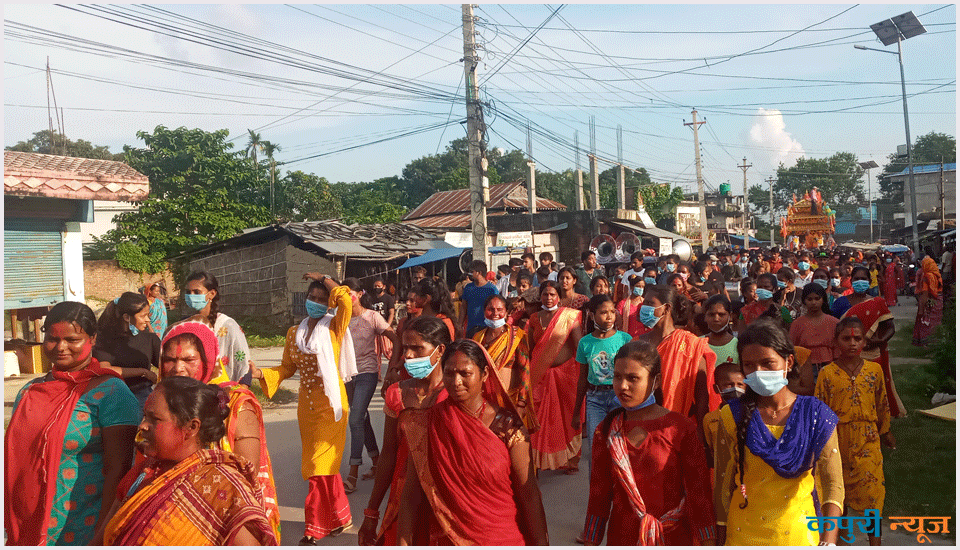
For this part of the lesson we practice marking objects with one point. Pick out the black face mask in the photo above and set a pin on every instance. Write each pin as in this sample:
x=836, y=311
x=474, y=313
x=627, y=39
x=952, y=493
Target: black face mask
x=378, y=290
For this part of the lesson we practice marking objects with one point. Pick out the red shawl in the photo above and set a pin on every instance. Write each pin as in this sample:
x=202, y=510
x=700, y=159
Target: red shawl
x=33, y=446
x=464, y=469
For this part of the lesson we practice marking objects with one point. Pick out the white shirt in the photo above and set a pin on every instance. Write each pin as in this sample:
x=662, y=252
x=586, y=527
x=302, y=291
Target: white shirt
x=801, y=282
x=625, y=280
x=552, y=276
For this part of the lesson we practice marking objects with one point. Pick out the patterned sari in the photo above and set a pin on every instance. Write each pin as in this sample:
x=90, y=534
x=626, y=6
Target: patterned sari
x=205, y=500
x=158, y=316
x=871, y=313
x=554, y=394
x=511, y=353
x=680, y=354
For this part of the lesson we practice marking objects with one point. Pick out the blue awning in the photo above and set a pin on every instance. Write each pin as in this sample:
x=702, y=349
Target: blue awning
x=738, y=240
x=438, y=254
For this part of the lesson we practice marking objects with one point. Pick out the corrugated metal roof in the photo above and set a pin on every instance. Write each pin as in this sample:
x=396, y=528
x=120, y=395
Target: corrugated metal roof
x=37, y=175
x=636, y=227
x=928, y=169
x=373, y=241
x=503, y=196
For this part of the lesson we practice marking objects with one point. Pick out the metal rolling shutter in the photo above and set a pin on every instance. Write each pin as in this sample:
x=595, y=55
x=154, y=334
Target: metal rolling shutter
x=32, y=263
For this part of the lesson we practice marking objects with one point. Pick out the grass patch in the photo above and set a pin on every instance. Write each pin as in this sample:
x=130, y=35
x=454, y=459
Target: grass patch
x=920, y=473
x=260, y=334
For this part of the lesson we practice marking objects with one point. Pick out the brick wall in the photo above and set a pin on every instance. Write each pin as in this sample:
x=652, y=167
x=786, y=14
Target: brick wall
x=104, y=280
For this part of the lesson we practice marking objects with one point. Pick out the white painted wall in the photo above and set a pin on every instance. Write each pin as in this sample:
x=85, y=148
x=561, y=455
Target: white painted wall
x=73, y=262
x=103, y=213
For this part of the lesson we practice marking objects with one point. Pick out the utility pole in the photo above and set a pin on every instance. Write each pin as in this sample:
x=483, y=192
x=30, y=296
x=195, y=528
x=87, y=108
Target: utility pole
x=746, y=204
x=621, y=191
x=943, y=213
x=49, y=115
x=594, y=175
x=704, y=230
x=479, y=186
x=772, y=225
x=531, y=187
x=579, y=174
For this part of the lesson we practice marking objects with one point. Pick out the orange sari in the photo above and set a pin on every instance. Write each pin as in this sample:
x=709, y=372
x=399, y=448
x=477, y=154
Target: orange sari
x=554, y=394
x=511, y=353
x=680, y=354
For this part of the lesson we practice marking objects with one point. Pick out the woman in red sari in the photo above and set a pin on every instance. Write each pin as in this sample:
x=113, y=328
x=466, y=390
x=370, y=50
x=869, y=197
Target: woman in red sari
x=470, y=459
x=687, y=361
x=878, y=321
x=929, y=302
x=649, y=464
x=422, y=343
x=554, y=333
x=893, y=280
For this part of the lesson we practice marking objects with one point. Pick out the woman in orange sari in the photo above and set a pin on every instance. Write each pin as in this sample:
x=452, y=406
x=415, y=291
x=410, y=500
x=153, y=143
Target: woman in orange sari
x=893, y=280
x=930, y=302
x=423, y=342
x=185, y=493
x=470, y=460
x=878, y=321
x=554, y=333
x=687, y=361
x=190, y=349
x=511, y=355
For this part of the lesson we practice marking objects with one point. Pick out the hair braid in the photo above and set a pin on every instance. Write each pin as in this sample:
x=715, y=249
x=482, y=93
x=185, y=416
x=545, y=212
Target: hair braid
x=749, y=402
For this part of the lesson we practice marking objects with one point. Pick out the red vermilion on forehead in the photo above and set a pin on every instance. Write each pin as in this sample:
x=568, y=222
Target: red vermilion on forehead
x=64, y=329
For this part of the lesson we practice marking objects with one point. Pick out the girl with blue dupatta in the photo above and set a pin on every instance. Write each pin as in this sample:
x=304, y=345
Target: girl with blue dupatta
x=777, y=458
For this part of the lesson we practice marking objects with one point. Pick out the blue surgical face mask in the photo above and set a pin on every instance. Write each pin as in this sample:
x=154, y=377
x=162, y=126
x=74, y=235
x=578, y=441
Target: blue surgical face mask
x=781, y=284
x=638, y=291
x=861, y=286
x=647, y=316
x=835, y=282
x=134, y=330
x=671, y=267
x=766, y=382
x=650, y=400
x=315, y=310
x=195, y=302
x=419, y=367
x=764, y=294
x=650, y=280
x=822, y=282
x=494, y=323
x=803, y=266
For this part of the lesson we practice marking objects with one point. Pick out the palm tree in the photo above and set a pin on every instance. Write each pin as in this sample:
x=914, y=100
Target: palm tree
x=269, y=149
x=253, y=144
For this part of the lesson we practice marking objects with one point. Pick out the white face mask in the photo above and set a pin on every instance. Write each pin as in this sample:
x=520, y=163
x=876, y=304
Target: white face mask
x=554, y=308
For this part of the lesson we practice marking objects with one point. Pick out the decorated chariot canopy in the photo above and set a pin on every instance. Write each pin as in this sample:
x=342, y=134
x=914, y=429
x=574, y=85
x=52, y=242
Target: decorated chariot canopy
x=808, y=221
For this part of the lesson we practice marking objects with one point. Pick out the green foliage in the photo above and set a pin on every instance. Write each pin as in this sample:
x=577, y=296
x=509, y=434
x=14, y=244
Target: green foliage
x=301, y=196
x=560, y=187
x=200, y=191
x=660, y=201
x=427, y=175
x=510, y=166
x=368, y=206
x=55, y=143
x=131, y=256
x=928, y=149
x=944, y=366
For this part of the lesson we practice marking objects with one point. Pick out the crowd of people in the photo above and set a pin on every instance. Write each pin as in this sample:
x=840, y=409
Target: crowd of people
x=704, y=418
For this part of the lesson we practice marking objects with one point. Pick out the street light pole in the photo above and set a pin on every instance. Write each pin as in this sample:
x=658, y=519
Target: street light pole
x=898, y=29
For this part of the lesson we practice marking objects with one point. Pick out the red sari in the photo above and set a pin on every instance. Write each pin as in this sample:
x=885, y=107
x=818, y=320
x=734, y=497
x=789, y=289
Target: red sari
x=680, y=354
x=665, y=478
x=871, y=313
x=35, y=435
x=892, y=281
x=464, y=469
x=555, y=394
x=629, y=312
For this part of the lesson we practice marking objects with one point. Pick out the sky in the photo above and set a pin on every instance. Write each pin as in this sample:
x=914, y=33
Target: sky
x=774, y=82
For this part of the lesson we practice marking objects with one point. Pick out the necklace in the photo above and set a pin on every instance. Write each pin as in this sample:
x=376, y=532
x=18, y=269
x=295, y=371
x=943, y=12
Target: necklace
x=480, y=411
x=775, y=412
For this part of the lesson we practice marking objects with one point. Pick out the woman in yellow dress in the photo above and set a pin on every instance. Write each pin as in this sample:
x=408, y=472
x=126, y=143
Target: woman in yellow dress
x=773, y=448
x=320, y=348
x=508, y=347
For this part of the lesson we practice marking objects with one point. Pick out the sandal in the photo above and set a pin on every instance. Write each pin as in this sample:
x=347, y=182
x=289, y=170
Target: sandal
x=350, y=485
x=372, y=474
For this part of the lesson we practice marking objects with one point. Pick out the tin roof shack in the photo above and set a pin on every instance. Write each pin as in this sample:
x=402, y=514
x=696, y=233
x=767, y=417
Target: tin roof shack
x=929, y=180
x=45, y=197
x=261, y=271
x=450, y=210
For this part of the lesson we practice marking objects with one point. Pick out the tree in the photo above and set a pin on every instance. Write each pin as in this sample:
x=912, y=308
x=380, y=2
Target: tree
x=510, y=166
x=200, y=191
x=53, y=143
x=928, y=149
x=660, y=202
x=368, y=206
x=303, y=197
x=837, y=177
x=254, y=144
x=269, y=149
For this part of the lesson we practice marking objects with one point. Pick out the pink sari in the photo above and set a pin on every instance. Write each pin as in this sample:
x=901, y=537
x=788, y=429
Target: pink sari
x=554, y=395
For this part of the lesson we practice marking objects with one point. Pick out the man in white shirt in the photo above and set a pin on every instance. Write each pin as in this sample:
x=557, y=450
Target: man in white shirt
x=636, y=268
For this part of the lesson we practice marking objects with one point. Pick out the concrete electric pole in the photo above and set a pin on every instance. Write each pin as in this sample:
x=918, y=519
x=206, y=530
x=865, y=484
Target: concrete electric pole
x=772, y=225
x=579, y=174
x=746, y=204
x=704, y=230
x=479, y=186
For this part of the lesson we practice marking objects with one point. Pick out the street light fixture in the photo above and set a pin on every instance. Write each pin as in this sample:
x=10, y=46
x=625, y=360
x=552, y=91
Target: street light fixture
x=867, y=166
x=898, y=29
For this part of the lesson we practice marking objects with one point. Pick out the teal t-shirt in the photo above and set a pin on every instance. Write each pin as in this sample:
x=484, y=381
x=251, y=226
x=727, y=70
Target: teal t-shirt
x=598, y=353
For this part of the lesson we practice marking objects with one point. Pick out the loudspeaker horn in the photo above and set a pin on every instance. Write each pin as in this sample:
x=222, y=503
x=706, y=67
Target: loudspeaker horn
x=604, y=247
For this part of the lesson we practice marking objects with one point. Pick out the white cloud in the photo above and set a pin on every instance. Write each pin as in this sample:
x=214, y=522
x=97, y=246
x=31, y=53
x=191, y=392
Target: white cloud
x=769, y=131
